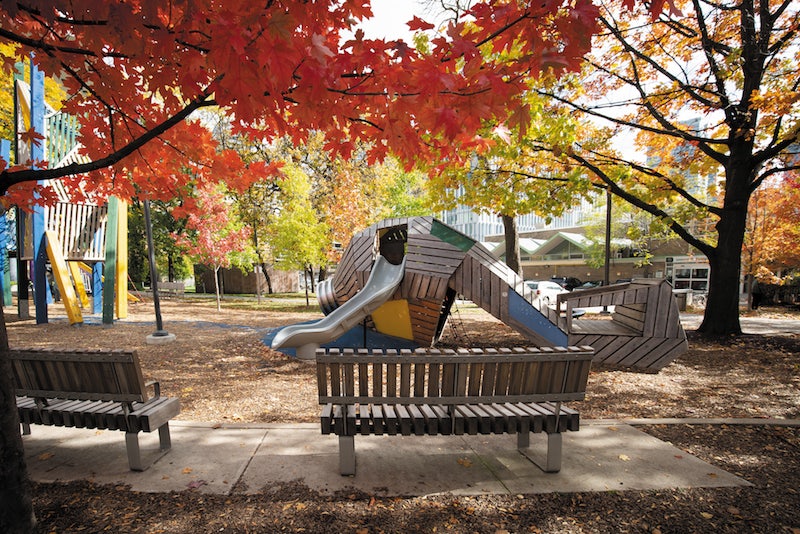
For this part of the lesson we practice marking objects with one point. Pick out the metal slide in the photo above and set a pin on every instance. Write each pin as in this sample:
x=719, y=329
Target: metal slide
x=381, y=285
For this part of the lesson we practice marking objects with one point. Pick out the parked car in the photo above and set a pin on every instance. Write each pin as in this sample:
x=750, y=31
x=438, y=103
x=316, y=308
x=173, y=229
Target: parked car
x=545, y=292
x=567, y=282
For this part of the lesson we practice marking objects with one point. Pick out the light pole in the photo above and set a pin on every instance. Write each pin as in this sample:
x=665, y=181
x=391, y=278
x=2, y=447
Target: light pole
x=607, y=266
x=160, y=335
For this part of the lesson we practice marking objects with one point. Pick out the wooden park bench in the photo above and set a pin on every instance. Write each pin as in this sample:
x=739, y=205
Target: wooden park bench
x=171, y=289
x=101, y=389
x=447, y=392
x=644, y=332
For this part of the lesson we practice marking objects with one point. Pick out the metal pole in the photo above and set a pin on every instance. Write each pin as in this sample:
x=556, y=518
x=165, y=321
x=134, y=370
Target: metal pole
x=606, y=274
x=160, y=332
x=607, y=267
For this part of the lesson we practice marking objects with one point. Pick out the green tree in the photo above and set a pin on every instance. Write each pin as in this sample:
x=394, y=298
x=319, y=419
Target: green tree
x=515, y=176
x=298, y=238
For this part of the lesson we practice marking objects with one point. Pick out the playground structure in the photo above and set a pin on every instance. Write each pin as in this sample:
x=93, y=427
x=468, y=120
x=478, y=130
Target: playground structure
x=435, y=264
x=439, y=264
x=72, y=237
x=644, y=331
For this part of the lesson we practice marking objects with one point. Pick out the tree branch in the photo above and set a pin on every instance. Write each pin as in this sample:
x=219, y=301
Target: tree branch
x=615, y=189
x=11, y=177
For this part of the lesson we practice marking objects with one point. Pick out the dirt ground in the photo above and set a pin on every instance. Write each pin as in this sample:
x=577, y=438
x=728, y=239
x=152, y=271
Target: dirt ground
x=222, y=372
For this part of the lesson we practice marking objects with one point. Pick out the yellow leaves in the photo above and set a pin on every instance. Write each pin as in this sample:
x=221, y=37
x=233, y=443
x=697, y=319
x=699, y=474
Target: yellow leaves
x=187, y=470
x=45, y=456
x=776, y=102
x=624, y=457
x=464, y=462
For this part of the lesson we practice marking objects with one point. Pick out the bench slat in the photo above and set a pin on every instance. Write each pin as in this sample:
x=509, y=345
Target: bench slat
x=102, y=389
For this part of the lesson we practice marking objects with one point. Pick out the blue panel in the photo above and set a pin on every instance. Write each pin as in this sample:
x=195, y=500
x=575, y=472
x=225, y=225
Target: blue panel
x=41, y=289
x=5, y=238
x=524, y=313
x=97, y=287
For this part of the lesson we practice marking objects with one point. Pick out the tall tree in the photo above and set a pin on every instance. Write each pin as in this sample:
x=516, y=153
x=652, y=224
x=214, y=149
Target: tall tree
x=709, y=93
x=516, y=176
x=134, y=71
x=214, y=238
x=772, y=240
x=298, y=237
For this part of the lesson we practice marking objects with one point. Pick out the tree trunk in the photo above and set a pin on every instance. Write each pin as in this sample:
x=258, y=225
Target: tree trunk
x=305, y=277
x=16, y=511
x=311, y=278
x=722, y=308
x=216, y=287
x=265, y=271
x=512, y=243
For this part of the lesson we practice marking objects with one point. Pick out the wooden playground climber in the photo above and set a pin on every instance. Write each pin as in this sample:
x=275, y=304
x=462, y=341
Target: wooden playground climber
x=440, y=264
x=70, y=235
x=644, y=331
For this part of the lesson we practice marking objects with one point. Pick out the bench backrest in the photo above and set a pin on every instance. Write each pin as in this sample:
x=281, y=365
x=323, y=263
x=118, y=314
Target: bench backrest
x=113, y=375
x=432, y=376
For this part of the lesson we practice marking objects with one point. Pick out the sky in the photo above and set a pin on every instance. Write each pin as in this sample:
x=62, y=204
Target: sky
x=392, y=16
x=390, y=19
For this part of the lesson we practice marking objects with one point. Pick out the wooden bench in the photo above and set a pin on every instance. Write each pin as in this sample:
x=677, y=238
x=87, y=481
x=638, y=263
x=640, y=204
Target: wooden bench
x=447, y=392
x=644, y=332
x=171, y=289
x=101, y=389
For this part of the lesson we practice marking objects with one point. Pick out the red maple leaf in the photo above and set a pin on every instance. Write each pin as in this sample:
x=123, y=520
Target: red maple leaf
x=418, y=24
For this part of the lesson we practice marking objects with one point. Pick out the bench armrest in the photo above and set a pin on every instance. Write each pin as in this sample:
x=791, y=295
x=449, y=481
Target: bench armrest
x=156, y=388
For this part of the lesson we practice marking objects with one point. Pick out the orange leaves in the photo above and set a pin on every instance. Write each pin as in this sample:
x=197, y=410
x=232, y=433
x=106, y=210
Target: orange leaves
x=285, y=69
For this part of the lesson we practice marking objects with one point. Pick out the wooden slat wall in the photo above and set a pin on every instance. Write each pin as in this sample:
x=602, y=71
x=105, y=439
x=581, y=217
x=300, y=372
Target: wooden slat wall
x=357, y=258
x=81, y=229
x=450, y=377
x=645, y=333
x=86, y=374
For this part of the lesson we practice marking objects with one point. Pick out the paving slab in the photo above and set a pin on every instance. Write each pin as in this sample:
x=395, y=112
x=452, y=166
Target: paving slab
x=207, y=459
x=385, y=465
x=603, y=456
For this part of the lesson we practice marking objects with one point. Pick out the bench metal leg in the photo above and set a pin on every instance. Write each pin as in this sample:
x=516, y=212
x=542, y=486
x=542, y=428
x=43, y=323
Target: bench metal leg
x=134, y=456
x=164, y=440
x=347, y=455
x=551, y=463
x=26, y=429
x=553, y=453
x=524, y=436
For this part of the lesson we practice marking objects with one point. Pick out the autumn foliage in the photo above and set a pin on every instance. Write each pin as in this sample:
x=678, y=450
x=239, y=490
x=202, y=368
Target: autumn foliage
x=134, y=71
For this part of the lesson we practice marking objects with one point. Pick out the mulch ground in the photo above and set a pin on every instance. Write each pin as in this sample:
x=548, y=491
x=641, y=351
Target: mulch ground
x=223, y=373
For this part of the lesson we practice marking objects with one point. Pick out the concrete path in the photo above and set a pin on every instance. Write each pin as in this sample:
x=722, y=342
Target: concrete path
x=750, y=325
x=602, y=456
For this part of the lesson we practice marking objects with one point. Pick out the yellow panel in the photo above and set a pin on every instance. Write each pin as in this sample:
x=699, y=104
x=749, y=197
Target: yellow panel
x=77, y=279
x=393, y=319
x=61, y=274
x=121, y=291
